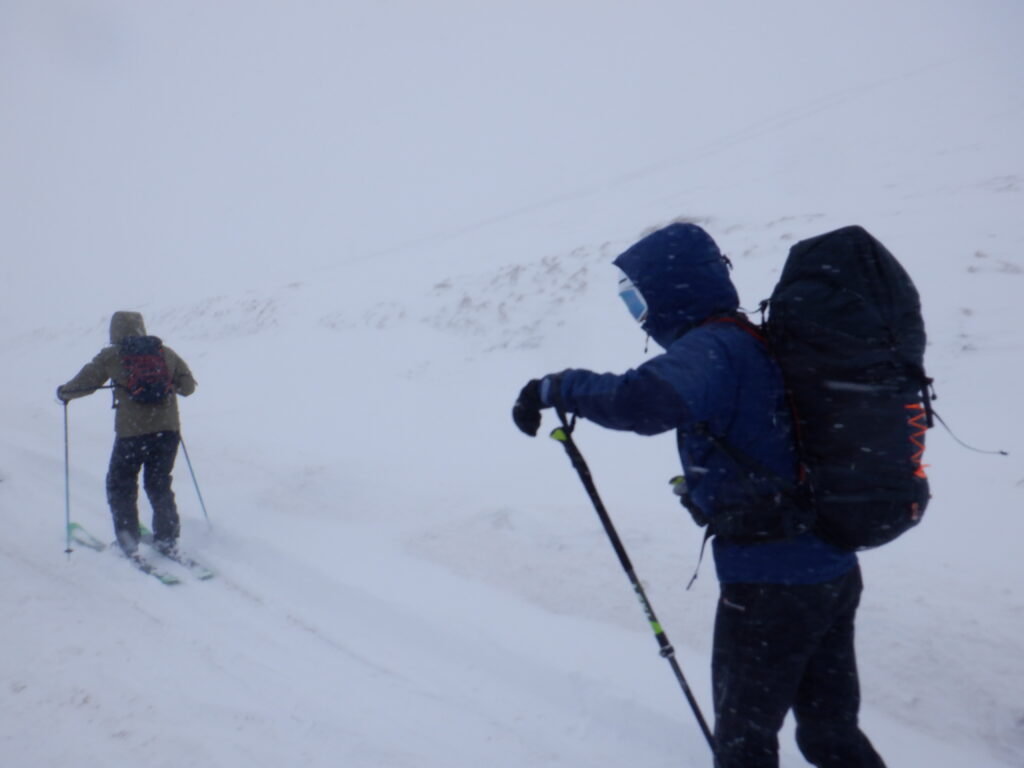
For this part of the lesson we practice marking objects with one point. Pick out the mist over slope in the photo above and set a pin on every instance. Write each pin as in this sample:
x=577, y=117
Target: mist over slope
x=365, y=227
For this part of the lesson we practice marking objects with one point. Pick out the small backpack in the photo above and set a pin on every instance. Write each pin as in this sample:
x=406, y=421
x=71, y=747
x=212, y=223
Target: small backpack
x=148, y=381
x=844, y=323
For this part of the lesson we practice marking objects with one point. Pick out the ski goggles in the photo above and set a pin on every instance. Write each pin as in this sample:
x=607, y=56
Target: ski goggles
x=635, y=301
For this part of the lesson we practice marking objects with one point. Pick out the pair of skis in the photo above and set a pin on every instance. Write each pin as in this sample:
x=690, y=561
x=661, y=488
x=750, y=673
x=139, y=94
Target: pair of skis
x=81, y=536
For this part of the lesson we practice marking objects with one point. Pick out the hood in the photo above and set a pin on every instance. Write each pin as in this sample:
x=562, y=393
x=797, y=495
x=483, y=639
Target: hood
x=683, y=278
x=125, y=324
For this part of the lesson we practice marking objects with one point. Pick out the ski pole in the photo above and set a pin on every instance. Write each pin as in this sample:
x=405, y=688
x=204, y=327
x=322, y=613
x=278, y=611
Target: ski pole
x=67, y=486
x=563, y=435
x=195, y=482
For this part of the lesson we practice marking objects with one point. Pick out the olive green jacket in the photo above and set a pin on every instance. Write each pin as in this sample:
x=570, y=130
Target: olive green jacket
x=132, y=418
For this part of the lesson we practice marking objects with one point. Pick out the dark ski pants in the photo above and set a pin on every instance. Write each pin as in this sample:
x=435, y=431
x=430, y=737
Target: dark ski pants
x=154, y=454
x=780, y=647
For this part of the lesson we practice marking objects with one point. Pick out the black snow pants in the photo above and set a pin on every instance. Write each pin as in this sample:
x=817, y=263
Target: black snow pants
x=780, y=647
x=154, y=454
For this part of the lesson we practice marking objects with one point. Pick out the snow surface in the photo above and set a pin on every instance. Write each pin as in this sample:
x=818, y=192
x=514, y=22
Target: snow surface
x=365, y=225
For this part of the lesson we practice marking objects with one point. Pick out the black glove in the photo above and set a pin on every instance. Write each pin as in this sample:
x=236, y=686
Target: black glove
x=526, y=411
x=61, y=396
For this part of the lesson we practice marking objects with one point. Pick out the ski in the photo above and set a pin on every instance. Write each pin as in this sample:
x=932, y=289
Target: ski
x=86, y=539
x=164, y=577
x=193, y=566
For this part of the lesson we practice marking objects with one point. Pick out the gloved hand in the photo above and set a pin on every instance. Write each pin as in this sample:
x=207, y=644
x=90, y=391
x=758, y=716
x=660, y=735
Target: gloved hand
x=61, y=396
x=526, y=411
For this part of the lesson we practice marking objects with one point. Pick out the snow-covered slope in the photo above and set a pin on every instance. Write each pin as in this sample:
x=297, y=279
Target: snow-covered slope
x=365, y=227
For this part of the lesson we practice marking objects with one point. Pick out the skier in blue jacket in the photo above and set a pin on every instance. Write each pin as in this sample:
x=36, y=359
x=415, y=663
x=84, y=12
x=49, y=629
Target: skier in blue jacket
x=784, y=625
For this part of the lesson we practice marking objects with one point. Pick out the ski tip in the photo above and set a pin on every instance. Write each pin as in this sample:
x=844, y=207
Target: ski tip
x=79, y=535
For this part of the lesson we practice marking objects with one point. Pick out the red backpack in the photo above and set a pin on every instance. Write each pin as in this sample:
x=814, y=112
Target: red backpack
x=148, y=379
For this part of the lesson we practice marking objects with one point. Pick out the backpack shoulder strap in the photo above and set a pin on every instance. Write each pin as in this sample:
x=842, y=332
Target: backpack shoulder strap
x=741, y=321
x=758, y=332
x=746, y=462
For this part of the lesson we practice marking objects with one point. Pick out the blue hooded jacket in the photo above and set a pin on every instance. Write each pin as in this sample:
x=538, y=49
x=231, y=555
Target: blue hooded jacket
x=713, y=374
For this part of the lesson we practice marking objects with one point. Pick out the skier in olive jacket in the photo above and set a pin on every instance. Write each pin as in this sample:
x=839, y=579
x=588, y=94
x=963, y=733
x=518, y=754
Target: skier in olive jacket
x=146, y=436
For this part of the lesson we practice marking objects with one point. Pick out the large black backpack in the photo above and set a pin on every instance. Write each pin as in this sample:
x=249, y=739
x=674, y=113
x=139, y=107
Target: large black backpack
x=844, y=323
